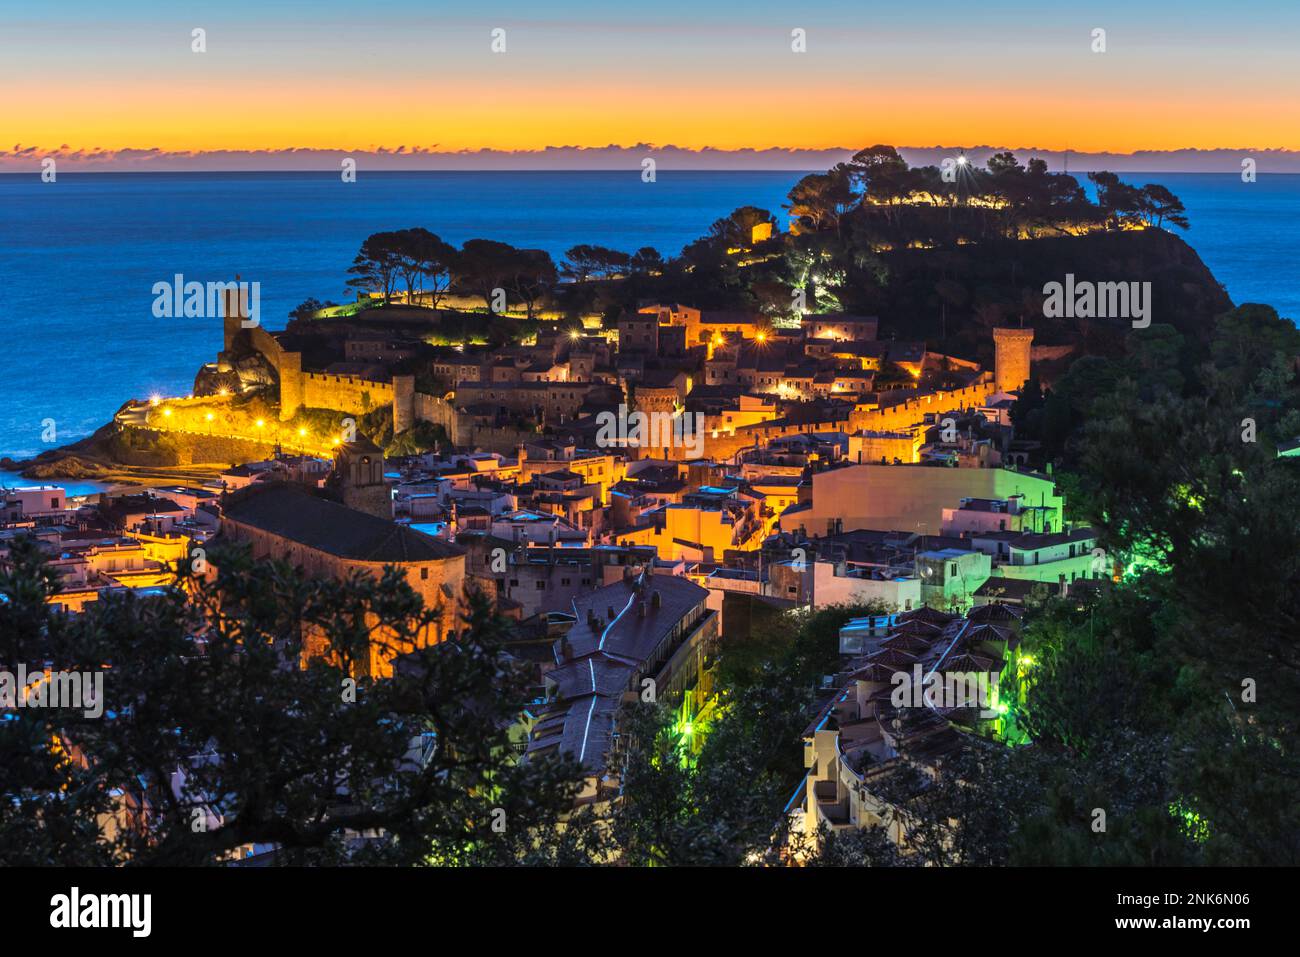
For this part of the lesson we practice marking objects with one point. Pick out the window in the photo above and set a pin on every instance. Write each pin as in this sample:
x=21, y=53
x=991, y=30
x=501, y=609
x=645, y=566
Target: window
x=541, y=586
x=564, y=581
x=424, y=574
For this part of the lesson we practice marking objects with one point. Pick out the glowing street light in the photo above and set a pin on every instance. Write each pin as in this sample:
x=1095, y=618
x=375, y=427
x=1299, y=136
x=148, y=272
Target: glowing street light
x=167, y=412
x=260, y=423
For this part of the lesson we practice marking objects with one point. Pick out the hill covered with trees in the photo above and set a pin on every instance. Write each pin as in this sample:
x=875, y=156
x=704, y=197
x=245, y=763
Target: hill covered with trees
x=940, y=253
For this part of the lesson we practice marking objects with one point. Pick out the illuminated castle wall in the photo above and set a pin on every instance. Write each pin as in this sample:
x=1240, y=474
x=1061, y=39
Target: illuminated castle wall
x=315, y=390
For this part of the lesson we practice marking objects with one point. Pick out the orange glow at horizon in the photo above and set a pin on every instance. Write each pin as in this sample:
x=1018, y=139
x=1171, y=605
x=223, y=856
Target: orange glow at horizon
x=320, y=76
x=193, y=116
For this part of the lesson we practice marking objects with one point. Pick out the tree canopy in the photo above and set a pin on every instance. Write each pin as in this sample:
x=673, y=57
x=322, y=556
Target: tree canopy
x=214, y=738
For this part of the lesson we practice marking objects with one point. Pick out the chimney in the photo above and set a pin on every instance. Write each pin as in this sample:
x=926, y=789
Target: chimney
x=641, y=609
x=656, y=599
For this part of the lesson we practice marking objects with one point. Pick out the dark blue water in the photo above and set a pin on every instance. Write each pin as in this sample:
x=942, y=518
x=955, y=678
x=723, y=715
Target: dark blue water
x=78, y=258
x=72, y=487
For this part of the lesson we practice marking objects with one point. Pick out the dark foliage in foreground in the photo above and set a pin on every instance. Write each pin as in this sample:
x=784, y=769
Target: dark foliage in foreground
x=413, y=769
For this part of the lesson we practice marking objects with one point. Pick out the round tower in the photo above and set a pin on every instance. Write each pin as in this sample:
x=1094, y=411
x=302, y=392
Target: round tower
x=403, y=403
x=1011, y=358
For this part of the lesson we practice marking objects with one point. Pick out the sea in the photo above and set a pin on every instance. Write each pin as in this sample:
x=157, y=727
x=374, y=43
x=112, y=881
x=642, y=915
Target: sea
x=79, y=257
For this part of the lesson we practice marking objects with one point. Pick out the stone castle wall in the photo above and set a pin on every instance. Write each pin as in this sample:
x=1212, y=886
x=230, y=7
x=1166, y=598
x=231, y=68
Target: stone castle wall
x=287, y=365
x=139, y=446
x=460, y=427
x=340, y=393
x=911, y=411
x=726, y=445
x=436, y=409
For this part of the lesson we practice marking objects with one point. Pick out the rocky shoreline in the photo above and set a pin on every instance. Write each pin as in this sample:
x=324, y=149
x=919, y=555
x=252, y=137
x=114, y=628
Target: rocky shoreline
x=89, y=459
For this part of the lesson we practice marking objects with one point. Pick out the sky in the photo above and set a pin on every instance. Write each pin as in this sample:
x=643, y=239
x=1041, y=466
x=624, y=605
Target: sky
x=112, y=79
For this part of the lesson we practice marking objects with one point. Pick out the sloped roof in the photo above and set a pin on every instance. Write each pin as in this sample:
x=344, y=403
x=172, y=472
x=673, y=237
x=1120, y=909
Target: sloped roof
x=928, y=614
x=292, y=513
x=596, y=665
x=996, y=611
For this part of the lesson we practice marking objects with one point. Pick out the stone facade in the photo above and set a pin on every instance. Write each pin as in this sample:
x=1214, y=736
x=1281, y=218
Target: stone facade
x=1012, y=350
x=327, y=540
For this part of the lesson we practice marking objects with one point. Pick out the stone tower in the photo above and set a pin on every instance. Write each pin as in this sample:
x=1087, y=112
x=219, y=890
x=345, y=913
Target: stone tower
x=1011, y=348
x=288, y=366
x=359, y=478
x=403, y=403
x=232, y=308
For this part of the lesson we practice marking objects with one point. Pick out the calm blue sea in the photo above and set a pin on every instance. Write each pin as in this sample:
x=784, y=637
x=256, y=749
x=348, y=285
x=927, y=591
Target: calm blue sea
x=78, y=258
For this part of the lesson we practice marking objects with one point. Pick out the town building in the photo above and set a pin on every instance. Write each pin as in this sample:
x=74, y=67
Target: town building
x=326, y=539
x=646, y=637
x=878, y=721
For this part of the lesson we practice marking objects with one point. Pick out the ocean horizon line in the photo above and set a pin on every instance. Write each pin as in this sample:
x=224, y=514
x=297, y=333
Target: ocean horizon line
x=548, y=172
x=584, y=159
